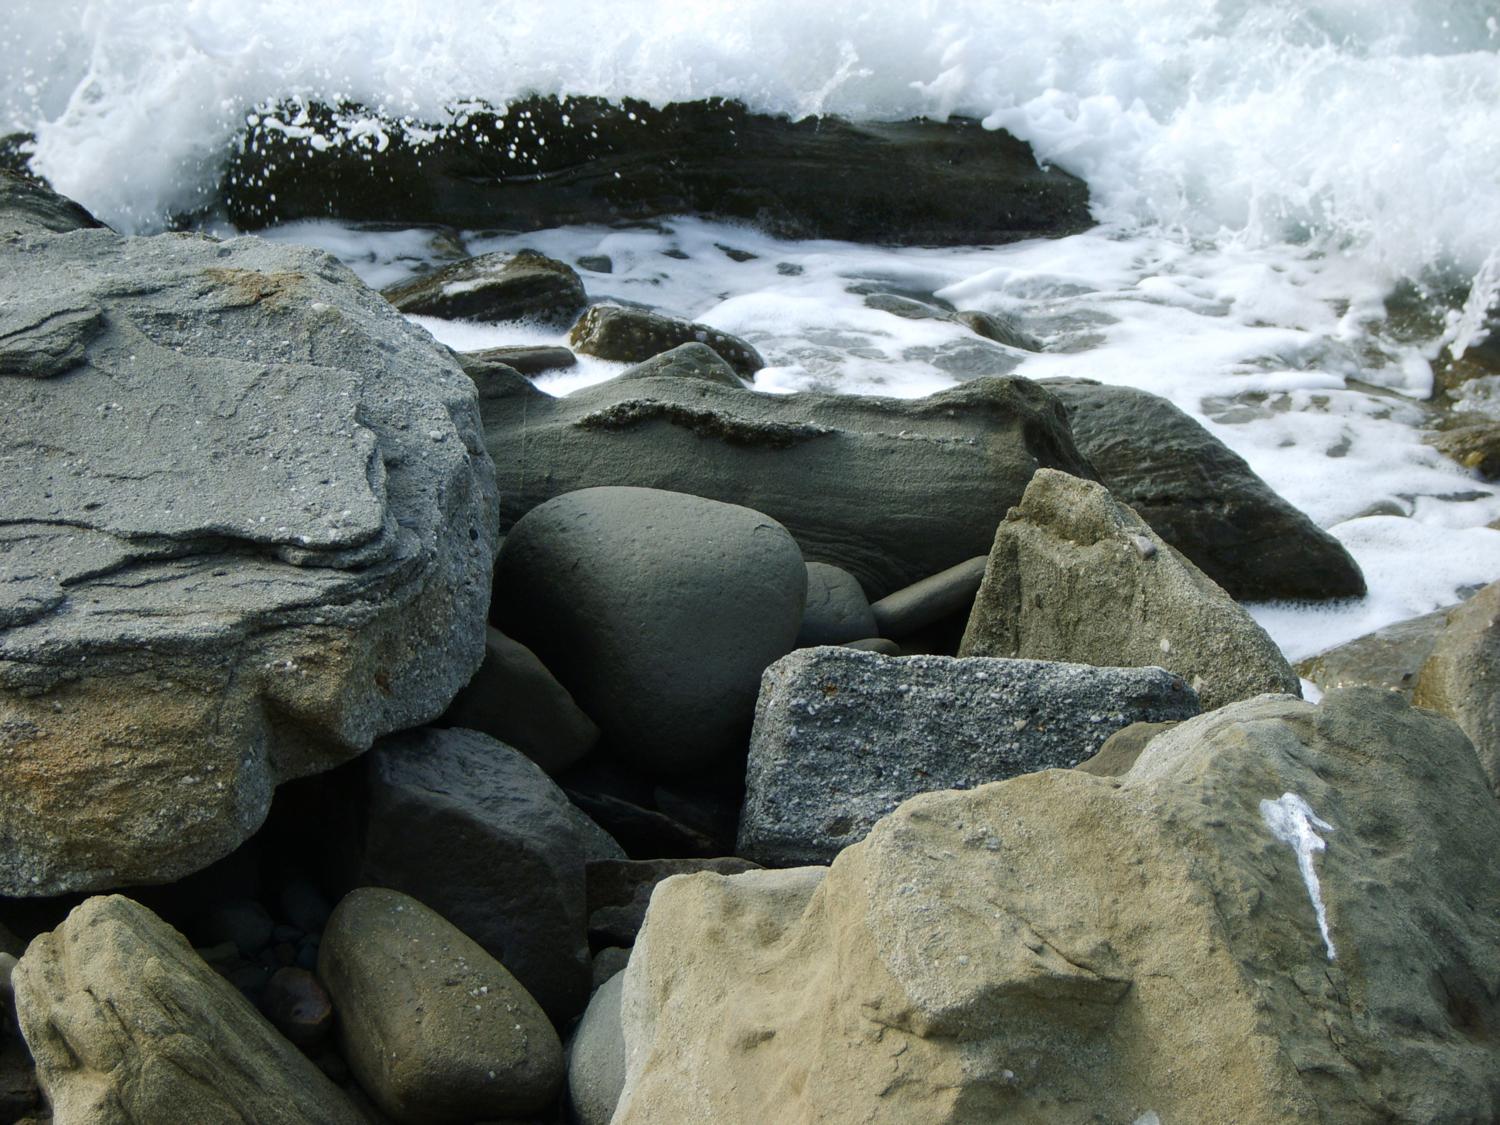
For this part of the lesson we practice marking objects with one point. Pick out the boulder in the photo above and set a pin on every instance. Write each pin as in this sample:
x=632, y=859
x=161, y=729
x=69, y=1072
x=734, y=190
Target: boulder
x=1203, y=498
x=434, y=1028
x=249, y=527
x=1121, y=749
x=842, y=737
x=891, y=490
x=515, y=699
x=129, y=1027
x=596, y=1057
x=525, y=358
x=478, y=833
x=658, y=611
x=1390, y=657
x=493, y=288
x=544, y=162
x=837, y=611
x=1461, y=677
x=620, y=890
x=1076, y=576
x=1283, y=913
x=926, y=602
x=633, y=335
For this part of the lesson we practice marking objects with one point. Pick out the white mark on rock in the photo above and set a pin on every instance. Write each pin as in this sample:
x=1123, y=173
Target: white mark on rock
x=1148, y=1118
x=1292, y=821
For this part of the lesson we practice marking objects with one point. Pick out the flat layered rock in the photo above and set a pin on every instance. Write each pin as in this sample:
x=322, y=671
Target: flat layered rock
x=249, y=528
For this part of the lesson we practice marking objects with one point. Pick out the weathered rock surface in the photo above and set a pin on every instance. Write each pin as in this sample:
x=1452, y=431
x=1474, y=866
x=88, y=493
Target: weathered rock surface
x=547, y=163
x=1474, y=446
x=1121, y=749
x=130, y=1027
x=891, y=490
x=1202, y=497
x=1461, y=677
x=932, y=599
x=434, y=1028
x=27, y=206
x=842, y=737
x=633, y=335
x=495, y=287
x=515, y=699
x=658, y=611
x=596, y=1058
x=1390, y=657
x=1076, y=576
x=527, y=359
x=1068, y=949
x=837, y=611
x=619, y=891
x=249, y=525
x=478, y=833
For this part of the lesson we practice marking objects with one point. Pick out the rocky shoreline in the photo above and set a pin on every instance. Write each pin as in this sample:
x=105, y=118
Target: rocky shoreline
x=383, y=739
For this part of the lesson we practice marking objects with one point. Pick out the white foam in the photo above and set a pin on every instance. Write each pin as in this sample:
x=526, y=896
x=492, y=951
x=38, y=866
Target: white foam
x=1292, y=821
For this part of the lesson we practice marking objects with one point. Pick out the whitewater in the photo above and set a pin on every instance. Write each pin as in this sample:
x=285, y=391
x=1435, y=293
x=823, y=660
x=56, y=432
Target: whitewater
x=1268, y=178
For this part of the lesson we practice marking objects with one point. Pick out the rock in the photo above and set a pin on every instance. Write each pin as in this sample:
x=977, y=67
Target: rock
x=28, y=206
x=1390, y=657
x=620, y=890
x=930, y=600
x=891, y=490
x=9, y=943
x=658, y=611
x=596, y=1059
x=19, y=1094
x=836, y=611
x=493, y=288
x=609, y=961
x=515, y=699
x=596, y=263
x=246, y=923
x=907, y=307
x=1475, y=446
x=842, y=737
x=998, y=328
x=527, y=359
x=1121, y=749
x=1461, y=677
x=875, y=644
x=304, y=906
x=128, y=1026
x=249, y=527
x=1151, y=942
x=1202, y=497
x=476, y=832
x=644, y=833
x=434, y=1028
x=1076, y=576
x=298, y=1006
x=633, y=335
x=548, y=163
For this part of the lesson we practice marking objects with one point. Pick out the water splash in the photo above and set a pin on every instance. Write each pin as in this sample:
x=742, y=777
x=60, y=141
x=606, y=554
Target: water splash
x=1292, y=821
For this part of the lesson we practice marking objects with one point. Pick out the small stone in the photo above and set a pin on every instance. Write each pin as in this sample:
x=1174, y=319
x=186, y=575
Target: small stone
x=607, y=962
x=1391, y=657
x=299, y=1007
x=999, y=329
x=596, y=263
x=246, y=923
x=528, y=360
x=1121, y=749
x=304, y=906
x=882, y=645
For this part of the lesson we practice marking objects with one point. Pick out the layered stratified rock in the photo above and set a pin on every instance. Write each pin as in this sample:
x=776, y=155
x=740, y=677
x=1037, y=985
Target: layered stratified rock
x=248, y=527
x=1076, y=576
x=891, y=490
x=1283, y=913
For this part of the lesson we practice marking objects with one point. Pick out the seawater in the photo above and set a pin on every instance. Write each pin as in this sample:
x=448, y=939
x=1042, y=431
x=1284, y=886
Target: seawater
x=1265, y=175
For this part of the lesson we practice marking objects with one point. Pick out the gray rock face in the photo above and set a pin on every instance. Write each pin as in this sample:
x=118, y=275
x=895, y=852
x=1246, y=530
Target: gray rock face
x=434, y=1028
x=478, y=833
x=837, y=611
x=891, y=490
x=249, y=525
x=932, y=599
x=1076, y=576
x=495, y=287
x=1391, y=657
x=130, y=1027
x=632, y=335
x=596, y=1059
x=1461, y=677
x=525, y=358
x=1201, y=497
x=843, y=737
x=658, y=611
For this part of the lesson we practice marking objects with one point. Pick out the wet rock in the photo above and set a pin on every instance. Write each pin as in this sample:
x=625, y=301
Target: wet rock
x=596, y=1058
x=298, y=1006
x=1121, y=749
x=515, y=699
x=1153, y=939
x=930, y=600
x=1202, y=497
x=434, y=1028
x=1390, y=657
x=836, y=611
x=493, y=288
x=549, y=163
x=998, y=328
x=634, y=335
x=843, y=737
x=906, y=307
x=248, y=532
x=1076, y=576
x=891, y=490
x=527, y=360
x=1475, y=446
x=128, y=1026
x=1461, y=676
x=479, y=834
x=620, y=890
x=658, y=611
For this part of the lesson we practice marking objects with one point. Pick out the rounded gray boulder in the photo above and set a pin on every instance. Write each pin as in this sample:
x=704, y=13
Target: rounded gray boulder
x=658, y=611
x=837, y=610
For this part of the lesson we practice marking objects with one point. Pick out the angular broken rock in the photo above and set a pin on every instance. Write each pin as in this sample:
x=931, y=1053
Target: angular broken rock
x=1067, y=948
x=1076, y=576
x=633, y=335
x=494, y=287
x=129, y=1026
x=842, y=737
x=891, y=490
x=249, y=525
x=1461, y=677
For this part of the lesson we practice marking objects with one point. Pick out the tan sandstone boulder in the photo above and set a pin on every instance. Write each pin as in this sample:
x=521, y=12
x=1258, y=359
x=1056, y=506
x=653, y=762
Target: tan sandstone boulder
x=1282, y=913
x=1461, y=677
x=1076, y=576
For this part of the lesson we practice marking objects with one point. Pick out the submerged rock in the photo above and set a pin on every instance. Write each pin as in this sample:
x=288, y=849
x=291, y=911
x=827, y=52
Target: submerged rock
x=494, y=287
x=633, y=335
x=1076, y=576
x=249, y=525
x=1067, y=948
x=1461, y=676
